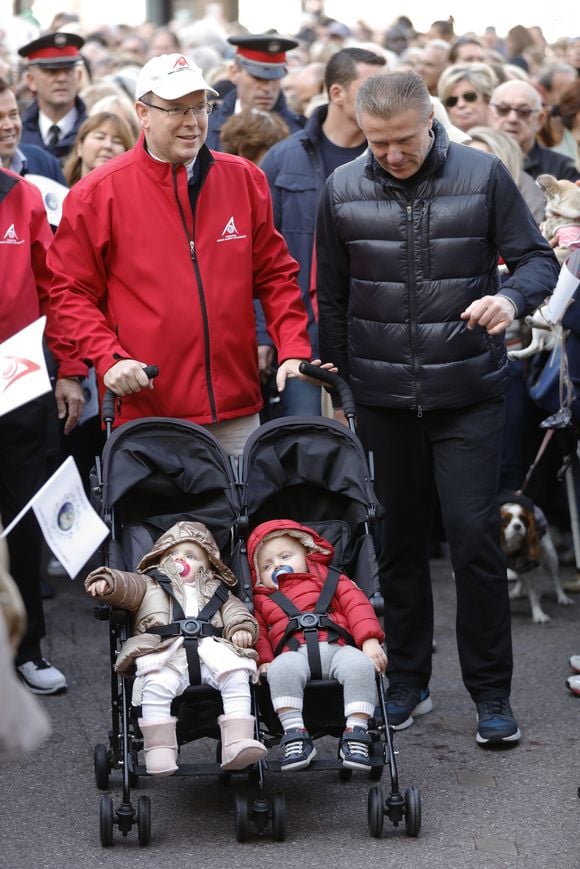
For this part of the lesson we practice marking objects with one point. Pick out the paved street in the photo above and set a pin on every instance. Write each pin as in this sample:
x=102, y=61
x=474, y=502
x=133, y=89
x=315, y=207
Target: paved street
x=516, y=808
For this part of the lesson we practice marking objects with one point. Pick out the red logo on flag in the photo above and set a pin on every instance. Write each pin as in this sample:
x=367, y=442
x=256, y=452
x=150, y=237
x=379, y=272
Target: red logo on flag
x=12, y=368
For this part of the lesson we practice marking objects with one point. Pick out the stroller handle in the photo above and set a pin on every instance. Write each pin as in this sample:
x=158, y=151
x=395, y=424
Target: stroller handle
x=108, y=411
x=335, y=382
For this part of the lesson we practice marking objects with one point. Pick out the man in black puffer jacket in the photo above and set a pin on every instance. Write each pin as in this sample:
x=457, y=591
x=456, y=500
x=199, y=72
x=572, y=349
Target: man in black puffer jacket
x=408, y=241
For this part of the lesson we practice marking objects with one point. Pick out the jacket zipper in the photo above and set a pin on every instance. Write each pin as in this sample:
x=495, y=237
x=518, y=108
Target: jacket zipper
x=199, y=282
x=413, y=309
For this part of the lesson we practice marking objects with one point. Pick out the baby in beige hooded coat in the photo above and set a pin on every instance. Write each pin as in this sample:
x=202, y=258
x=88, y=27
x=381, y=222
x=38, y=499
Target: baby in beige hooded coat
x=188, y=556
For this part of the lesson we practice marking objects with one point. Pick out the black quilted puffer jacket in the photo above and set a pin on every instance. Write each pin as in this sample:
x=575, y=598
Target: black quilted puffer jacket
x=398, y=261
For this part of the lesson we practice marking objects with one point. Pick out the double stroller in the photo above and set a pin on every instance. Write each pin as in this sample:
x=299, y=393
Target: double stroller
x=155, y=472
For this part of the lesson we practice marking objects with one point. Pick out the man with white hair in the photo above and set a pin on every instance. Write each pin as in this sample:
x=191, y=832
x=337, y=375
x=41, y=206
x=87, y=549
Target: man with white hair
x=516, y=108
x=432, y=61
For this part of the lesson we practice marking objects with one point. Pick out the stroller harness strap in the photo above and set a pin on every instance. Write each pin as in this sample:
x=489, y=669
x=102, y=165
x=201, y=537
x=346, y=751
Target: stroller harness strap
x=311, y=622
x=191, y=629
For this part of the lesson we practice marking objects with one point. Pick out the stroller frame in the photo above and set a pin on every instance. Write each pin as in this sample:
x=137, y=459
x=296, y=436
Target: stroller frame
x=125, y=740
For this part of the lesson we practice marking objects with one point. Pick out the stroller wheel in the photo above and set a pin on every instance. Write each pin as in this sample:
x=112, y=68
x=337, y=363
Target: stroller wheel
x=241, y=818
x=106, y=821
x=345, y=774
x=102, y=768
x=412, y=811
x=279, y=817
x=375, y=815
x=144, y=820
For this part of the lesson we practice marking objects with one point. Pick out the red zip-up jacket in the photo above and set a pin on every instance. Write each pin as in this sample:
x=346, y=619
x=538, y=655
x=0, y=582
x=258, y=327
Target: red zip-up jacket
x=138, y=276
x=24, y=278
x=349, y=608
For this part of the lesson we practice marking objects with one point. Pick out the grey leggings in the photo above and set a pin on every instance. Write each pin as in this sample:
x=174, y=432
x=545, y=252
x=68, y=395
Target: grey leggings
x=289, y=673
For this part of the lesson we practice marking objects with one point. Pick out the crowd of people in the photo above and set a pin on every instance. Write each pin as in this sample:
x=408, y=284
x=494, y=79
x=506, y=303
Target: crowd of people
x=235, y=203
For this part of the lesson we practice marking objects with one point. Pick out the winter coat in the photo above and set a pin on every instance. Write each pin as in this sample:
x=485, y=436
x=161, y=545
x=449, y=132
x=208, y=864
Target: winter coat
x=40, y=162
x=31, y=130
x=296, y=177
x=541, y=161
x=24, y=277
x=151, y=606
x=226, y=109
x=137, y=275
x=349, y=607
x=399, y=261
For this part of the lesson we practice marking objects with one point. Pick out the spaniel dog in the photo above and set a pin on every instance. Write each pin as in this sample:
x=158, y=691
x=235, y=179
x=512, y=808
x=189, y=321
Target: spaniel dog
x=528, y=547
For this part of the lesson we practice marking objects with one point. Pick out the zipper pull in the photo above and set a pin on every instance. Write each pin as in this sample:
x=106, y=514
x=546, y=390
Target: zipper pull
x=192, y=250
x=419, y=411
x=409, y=210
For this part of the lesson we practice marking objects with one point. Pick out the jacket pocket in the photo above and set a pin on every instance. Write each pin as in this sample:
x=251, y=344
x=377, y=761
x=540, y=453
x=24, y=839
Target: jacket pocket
x=299, y=201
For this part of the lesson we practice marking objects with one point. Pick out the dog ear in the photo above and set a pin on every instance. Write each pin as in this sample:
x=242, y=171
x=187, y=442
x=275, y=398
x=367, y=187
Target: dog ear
x=532, y=539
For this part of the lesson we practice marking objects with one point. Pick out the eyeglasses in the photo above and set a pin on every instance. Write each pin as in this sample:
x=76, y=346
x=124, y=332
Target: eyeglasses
x=468, y=96
x=522, y=112
x=175, y=111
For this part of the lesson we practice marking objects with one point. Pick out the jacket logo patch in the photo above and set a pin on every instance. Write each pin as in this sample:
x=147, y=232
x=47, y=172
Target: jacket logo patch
x=230, y=231
x=11, y=236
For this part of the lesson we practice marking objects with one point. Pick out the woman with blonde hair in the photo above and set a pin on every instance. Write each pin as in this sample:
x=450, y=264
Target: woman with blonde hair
x=100, y=138
x=465, y=90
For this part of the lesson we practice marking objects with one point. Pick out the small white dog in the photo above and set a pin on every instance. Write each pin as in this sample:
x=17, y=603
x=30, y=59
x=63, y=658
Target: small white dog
x=529, y=548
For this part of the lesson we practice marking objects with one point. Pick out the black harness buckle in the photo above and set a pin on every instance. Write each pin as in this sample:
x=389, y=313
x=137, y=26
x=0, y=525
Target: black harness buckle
x=308, y=621
x=191, y=628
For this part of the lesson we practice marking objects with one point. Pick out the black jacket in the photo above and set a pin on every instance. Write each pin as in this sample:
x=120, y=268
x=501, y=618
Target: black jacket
x=398, y=262
x=540, y=161
x=31, y=131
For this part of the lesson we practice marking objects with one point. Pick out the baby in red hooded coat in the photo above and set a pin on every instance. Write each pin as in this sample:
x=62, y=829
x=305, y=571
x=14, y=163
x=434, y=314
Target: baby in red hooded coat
x=292, y=559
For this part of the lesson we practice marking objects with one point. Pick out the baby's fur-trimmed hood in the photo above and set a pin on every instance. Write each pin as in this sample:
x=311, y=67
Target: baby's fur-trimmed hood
x=317, y=548
x=188, y=532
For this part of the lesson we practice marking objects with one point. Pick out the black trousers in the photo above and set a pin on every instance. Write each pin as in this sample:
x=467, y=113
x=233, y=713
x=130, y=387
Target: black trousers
x=455, y=453
x=23, y=448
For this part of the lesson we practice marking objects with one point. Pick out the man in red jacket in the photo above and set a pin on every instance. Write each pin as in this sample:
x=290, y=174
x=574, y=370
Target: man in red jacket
x=24, y=239
x=158, y=258
x=290, y=567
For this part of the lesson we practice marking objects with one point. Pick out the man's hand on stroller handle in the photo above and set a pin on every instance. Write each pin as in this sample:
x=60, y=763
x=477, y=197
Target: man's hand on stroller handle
x=291, y=368
x=242, y=639
x=126, y=377
x=373, y=650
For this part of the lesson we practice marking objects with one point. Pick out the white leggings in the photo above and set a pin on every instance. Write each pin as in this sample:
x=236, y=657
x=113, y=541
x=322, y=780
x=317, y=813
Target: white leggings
x=160, y=688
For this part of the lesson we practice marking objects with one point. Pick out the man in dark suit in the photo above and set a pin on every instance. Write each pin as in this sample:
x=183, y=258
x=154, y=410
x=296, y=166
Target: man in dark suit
x=52, y=120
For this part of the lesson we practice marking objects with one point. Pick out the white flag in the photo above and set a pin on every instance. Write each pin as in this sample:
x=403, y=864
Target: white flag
x=53, y=195
x=71, y=527
x=23, y=373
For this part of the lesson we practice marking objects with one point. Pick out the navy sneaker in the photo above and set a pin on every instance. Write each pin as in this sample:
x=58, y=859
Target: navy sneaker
x=404, y=702
x=299, y=750
x=496, y=722
x=354, y=748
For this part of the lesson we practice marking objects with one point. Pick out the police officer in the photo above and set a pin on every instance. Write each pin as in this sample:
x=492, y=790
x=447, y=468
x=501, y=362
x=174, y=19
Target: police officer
x=53, y=75
x=258, y=68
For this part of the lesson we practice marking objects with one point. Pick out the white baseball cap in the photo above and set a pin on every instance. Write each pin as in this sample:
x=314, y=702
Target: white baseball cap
x=171, y=76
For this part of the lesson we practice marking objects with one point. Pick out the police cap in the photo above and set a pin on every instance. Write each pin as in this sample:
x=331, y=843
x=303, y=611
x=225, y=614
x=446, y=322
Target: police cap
x=53, y=50
x=263, y=55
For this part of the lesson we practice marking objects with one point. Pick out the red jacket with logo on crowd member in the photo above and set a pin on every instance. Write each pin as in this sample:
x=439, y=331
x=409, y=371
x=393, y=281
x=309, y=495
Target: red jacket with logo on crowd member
x=138, y=276
x=24, y=277
x=349, y=607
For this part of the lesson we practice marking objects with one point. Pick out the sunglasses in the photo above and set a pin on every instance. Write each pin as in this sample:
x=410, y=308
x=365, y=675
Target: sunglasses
x=468, y=96
x=522, y=112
